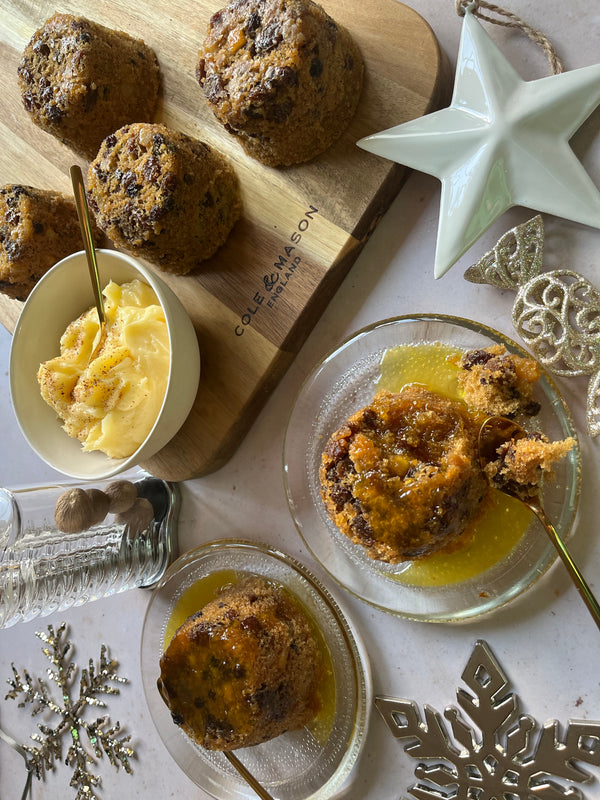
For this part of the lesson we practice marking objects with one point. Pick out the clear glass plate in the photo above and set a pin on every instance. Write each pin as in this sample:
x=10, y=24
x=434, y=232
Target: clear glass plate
x=344, y=382
x=295, y=765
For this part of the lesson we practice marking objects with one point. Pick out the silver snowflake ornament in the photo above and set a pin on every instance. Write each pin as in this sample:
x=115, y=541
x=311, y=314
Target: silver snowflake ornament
x=500, y=754
x=68, y=712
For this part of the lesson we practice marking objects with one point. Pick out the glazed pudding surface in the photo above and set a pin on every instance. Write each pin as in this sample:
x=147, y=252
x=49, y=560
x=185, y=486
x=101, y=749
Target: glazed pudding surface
x=401, y=477
x=243, y=669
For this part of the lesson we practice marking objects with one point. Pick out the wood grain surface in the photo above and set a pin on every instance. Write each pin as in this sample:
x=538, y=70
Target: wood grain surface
x=256, y=300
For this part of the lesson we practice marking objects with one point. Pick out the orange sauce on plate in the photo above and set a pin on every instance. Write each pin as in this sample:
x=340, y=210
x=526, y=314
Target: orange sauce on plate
x=503, y=522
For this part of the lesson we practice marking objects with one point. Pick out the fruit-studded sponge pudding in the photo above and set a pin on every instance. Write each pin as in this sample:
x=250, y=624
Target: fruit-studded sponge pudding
x=80, y=81
x=38, y=228
x=401, y=476
x=163, y=196
x=522, y=463
x=282, y=76
x=499, y=383
x=243, y=669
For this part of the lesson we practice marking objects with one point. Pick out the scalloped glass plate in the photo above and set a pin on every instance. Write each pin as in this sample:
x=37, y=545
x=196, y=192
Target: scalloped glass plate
x=296, y=765
x=344, y=382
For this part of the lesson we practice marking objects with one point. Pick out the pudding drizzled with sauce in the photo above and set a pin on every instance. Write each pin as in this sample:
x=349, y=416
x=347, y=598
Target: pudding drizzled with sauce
x=401, y=476
x=240, y=632
x=503, y=520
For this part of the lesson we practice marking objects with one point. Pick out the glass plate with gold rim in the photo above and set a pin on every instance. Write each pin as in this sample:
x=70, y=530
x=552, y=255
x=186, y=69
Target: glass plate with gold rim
x=503, y=560
x=315, y=762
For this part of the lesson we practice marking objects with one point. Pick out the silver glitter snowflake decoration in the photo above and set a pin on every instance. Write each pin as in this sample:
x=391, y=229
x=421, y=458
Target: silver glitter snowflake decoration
x=94, y=681
x=502, y=754
x=556, y=313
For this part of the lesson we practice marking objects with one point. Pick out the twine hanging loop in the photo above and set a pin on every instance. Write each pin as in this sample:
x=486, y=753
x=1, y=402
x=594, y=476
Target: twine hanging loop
x=509, y=20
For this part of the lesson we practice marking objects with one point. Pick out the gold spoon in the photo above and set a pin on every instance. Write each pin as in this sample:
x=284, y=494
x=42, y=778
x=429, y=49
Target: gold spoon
x=494, y=432
x=247, y=776
x=83, y=214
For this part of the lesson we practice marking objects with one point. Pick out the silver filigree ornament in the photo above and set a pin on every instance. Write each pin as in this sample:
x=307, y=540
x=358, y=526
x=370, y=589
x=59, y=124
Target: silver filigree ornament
x=515, y=258
x=556, y=313
x=512, y=758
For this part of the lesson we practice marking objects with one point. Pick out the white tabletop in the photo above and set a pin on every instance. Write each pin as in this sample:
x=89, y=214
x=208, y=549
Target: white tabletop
x=546, y=641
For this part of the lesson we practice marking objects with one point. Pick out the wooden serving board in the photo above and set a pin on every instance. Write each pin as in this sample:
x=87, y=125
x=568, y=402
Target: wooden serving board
x=256, y=300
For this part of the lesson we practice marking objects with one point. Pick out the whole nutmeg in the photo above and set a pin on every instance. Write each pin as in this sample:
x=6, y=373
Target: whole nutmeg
x=138, y=517
x=100, y=503
x=73, y=511
x=121, y=496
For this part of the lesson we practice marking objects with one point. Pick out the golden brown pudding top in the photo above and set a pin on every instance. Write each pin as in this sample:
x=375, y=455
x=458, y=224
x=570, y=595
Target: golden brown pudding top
x=402, y=477
x=243, y=669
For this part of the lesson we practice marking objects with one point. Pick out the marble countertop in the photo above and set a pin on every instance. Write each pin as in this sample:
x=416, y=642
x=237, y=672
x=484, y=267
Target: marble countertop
x=546, y=641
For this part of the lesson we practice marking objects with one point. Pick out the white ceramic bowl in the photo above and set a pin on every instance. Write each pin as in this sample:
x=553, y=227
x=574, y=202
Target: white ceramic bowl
x=58, y=298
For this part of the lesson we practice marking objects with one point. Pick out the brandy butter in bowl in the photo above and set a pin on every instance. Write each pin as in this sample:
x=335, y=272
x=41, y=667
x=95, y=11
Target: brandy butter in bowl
x=92, y=412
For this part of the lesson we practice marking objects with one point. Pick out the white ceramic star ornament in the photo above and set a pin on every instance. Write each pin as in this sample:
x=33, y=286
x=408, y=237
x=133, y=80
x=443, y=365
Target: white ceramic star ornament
x=502, y=142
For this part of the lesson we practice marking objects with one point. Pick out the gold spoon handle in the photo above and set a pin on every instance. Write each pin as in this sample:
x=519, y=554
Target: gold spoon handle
x=578, y=579
x=88, y=241
x=247, y=776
